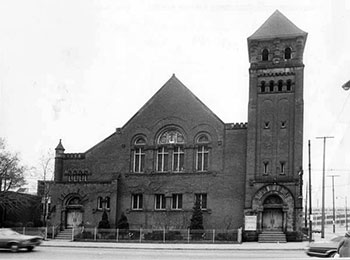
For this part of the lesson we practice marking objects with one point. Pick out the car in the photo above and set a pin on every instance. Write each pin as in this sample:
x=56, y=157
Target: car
x=324, y=248
x=14, y=241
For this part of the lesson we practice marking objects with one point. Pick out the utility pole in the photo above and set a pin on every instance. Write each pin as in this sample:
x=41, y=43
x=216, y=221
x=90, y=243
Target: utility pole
x=346, y=213
x=323, y=181
x=333, y=200
x=306, y=209
x=310, y=200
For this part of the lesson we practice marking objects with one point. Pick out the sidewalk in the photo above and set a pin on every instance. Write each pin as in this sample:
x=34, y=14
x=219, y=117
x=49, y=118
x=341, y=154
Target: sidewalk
x=166, y=246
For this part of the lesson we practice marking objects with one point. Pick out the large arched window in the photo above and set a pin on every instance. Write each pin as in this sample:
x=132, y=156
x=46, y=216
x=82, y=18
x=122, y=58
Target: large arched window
x=170, y=152
x=265, y=55
x=139, y=155
x=202, y=156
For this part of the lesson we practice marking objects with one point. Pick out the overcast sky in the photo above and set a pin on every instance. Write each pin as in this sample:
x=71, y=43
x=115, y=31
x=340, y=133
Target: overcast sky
x=76, y=70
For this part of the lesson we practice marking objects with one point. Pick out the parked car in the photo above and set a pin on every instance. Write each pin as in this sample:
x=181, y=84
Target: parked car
x=14, y=241
x=325, y=248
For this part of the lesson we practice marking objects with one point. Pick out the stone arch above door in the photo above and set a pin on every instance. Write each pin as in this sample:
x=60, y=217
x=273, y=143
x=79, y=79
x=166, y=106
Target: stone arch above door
x=266, y=191
x=274, y=198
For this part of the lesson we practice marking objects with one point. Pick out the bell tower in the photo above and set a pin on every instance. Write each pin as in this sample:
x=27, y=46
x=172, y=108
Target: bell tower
x=275, y=119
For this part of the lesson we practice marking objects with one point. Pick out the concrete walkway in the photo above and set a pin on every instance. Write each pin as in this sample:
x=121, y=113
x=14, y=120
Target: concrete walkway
x=166, y=246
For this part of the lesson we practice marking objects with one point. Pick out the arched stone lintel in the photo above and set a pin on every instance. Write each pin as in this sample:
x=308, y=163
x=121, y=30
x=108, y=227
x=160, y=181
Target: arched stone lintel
x=271, y=189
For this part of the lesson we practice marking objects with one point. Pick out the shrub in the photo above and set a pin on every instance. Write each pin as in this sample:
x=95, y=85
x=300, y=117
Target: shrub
x=104, y=223
x=123, y=222
x=226, y=237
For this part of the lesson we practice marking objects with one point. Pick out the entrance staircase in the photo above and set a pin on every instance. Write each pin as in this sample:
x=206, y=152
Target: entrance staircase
x=65, y=234
x=272, y=237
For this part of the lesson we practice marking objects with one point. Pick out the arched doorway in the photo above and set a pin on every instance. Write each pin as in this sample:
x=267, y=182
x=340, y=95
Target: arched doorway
x=74, y=213
x=272, y=216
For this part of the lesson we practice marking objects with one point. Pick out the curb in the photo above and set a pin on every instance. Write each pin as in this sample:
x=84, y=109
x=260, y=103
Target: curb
x=173, y=247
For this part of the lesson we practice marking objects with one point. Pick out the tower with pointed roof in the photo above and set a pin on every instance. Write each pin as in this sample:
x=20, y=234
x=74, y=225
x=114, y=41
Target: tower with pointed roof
x=275, y=125
x=59, y=155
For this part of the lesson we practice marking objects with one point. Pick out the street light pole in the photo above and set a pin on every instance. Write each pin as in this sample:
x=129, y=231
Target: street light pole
x=323, y=182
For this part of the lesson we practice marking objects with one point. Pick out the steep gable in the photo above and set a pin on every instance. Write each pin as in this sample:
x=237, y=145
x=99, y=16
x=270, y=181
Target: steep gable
x=174, y=99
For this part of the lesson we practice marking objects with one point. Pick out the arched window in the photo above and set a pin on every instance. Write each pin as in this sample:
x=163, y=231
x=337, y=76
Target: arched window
x=202, y=156
x=266, y=167
x=280, y=85
x=74, y=201
x=271, y=86
x=99, y=203
x=288, y=53
x=265, y=55
x=263, y=86
x=139, y=155
x=170, y=152
x=75, y=174
x=289, y=85
x=107, y=203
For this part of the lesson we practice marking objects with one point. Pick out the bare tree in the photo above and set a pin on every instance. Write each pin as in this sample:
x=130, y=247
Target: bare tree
x=46, y=173
x=11, y=178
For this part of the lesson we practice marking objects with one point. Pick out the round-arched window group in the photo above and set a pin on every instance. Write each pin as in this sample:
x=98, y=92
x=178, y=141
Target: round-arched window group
x=77, y=175
x=265, y=54
x=170, y=150
x=273, y=86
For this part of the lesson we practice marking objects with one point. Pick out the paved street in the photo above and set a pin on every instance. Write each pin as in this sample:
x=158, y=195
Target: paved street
x=53, y=253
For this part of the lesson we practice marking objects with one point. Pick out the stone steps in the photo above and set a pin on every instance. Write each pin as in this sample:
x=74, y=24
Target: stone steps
x=65, y=234
x=272, y=237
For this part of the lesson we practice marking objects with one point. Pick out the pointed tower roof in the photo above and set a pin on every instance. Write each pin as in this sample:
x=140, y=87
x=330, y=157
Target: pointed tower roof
x=60, y=146
x=277, y=26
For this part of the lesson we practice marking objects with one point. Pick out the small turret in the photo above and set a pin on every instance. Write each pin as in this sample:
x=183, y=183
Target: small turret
x=59, y=161
x=59, y=149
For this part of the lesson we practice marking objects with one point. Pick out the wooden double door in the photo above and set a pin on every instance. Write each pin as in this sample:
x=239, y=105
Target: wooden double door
x=273, y=219
x=74, y=218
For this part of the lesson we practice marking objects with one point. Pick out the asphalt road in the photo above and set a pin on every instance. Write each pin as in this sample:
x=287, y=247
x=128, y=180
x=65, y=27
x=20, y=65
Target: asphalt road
x=53, y=253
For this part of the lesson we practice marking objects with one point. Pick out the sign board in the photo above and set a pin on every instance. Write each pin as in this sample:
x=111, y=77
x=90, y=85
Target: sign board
x=250, y=223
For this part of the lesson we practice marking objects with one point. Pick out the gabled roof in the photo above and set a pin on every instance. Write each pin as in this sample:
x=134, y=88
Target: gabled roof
x=277, y=26
x=173, y=82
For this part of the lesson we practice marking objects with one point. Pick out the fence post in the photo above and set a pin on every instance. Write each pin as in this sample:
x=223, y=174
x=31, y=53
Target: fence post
x=140, y=235
x=239, y=235
x=213, y=236
x=24, y=231
x=45, y=233
x=73, y=234
x=188, y=235
x=95, y=233
x=53, y=232
x=117, y=234
x=164, y=235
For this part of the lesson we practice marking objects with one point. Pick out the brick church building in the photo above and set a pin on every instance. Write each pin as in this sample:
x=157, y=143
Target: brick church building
x=175, y=151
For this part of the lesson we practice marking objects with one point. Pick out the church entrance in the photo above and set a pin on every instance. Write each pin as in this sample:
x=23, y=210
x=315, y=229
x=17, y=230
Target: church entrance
x=272, y=219
x=74, y=218
x=272, y=215
x=74, y=212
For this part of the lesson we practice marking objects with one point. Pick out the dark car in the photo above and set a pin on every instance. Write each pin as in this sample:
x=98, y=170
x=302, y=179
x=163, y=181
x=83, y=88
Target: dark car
x=14, y=241
x=326, y=248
